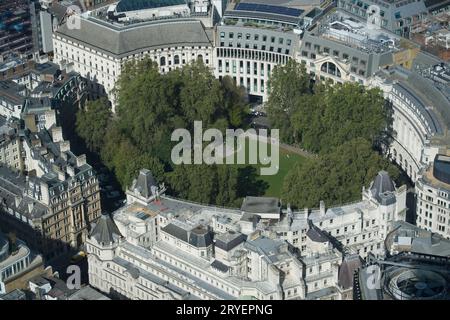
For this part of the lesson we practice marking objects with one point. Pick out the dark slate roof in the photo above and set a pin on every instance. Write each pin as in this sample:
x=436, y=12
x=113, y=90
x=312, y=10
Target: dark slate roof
x=176, y=231
x=105, y=231
x=250, y=217
x=382, y=188
x=200, y=236
x=124, y=41
x=219, y=266
x=316, y=235
x=348, y=267
x=133, y=271
x=12, y=185
x=229, y=240
x=58, y=10
x=144, y=183
x=16, y=294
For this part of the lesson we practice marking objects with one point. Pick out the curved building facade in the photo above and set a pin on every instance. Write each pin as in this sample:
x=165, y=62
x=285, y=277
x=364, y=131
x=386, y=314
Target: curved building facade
x=251, y=40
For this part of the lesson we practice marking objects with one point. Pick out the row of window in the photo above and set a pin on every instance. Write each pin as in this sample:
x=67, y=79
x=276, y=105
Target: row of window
x=15, y=268
x=245, y=68
x=256, y=47
x=256, y=37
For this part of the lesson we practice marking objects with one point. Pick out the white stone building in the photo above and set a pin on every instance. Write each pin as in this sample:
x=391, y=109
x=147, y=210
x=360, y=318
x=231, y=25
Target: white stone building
x=171, y=43
x=157, y=247
x=433, y=197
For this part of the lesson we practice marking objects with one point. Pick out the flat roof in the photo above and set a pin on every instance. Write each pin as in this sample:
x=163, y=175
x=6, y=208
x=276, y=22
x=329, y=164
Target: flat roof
x=261, y=205
x=134, y=5
x=123, y=40
x=273, y=9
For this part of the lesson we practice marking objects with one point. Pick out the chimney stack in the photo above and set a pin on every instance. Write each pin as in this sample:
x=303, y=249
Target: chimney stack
x=57, y=134
x=322, y=208
x=81, y=160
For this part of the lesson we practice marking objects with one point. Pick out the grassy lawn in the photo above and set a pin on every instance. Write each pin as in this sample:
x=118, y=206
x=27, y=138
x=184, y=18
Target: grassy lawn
x=254, y=184
x=287, y=161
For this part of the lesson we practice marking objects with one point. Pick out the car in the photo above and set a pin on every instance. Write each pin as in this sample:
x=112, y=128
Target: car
x=78, y=257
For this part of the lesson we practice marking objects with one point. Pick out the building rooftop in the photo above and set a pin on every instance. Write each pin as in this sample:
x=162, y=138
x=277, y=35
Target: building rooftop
x=198, y=236
x=229, y=240
x=16, y=294
x=349, y=30
x=429, y=177
x=123, y=40
x=383, y=188
x=105, y=230
x=88, y=293
x=12, y=92
x=405, y=276
x=135, y=5
x=12, y=186
x=260, y=205
x=410, y=238
x=144, y=184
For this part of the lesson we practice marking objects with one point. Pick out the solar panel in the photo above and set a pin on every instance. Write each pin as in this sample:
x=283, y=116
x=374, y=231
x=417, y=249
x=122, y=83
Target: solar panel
x=142, y=215
x=269, y=9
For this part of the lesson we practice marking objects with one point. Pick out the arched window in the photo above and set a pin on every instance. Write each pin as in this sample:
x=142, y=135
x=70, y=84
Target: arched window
x=200, y=57
x=331, y=68
x=162, y=61
x=176, y=59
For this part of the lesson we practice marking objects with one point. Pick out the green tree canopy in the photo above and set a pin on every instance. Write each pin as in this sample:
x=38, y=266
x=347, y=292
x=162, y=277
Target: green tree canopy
x=336, y=177
x=328, y=115
x=92, y=121
x=150, y=106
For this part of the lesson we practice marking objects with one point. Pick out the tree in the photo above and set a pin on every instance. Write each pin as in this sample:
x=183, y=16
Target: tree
x=150, y=106
x=234, y=102
x=324, y=116
x=92, y=122
x=336, y=177
x=288, y=84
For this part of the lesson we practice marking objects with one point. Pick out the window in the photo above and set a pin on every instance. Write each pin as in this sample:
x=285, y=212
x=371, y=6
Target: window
x=330, y=68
